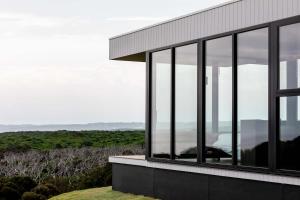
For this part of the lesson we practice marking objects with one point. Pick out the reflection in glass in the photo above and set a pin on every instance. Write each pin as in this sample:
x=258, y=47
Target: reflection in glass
x=218, y=123
x=161, y=104
x=186, y=103
x=253, y=98
x=289, y=56
x=289, y=133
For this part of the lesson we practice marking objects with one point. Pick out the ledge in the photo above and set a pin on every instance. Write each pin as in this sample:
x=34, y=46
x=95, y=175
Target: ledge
x=140, y=161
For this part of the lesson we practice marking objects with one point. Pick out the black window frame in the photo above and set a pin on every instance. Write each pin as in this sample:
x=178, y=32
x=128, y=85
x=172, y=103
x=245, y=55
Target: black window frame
x=273, y=101
x=234, y=98
x=282, y=92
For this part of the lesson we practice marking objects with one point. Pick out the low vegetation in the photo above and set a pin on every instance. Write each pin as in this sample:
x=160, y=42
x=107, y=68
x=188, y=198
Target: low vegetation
x=105, y=193
x=70, y=162
x=40, y=165
x=23, y=141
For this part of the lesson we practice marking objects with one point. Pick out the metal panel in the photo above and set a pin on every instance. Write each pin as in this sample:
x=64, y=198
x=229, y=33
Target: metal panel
x=226, y=17
x=169, y=184
x=236, y=174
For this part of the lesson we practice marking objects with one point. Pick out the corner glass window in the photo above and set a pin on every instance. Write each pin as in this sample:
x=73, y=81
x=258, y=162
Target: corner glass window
x=161, y=104
x=218, y=123
x=289, y=133
x=252, y=103
x=186, y=103
x=289, y=56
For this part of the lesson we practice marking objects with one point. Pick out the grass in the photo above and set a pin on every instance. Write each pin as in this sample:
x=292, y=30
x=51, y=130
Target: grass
x=105, y=193
x=46, y=140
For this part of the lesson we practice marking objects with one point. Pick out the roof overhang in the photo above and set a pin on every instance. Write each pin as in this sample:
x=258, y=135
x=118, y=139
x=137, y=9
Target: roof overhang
x=223, y=18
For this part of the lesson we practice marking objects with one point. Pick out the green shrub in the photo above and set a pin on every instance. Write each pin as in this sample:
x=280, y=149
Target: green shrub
x=98, y=177
x=23, y=183
x=63, y=184
x=58, y=146
x=33, y=196
x=42, y=189
x=18, y=147
x=7, y=193
x=12, y=185
x=52, y=189
x=86, y=143
x=42, y=140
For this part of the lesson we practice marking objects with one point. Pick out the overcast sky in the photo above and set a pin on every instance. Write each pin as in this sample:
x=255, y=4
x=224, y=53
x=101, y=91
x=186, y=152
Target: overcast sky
x=54, y=65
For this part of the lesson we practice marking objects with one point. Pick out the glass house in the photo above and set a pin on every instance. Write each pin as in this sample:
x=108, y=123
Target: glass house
x=222, y=104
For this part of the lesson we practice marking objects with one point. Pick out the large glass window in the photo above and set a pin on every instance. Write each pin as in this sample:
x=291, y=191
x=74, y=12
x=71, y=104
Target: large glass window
x=186, y=103
x=289, y=56
x=289, y=106
x=253, y=98
x=161, y=104
x=218, y=133
x=289, y=133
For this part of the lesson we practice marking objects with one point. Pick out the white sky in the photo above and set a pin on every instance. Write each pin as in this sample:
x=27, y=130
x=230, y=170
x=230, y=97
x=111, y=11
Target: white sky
x=54, y=65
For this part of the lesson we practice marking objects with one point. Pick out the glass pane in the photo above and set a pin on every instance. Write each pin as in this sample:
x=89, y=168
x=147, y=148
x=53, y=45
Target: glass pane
x=253, y=98
x=289, y=56
x=289, y=133
x=219, y=101
x=161, y=104
x=186, y=103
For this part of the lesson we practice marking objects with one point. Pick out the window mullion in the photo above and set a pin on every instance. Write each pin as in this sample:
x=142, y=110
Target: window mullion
x=172, y=104
x=273, y=101
x=234, y=100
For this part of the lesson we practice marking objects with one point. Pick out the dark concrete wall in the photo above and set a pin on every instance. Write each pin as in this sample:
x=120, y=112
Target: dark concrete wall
x=173, y=185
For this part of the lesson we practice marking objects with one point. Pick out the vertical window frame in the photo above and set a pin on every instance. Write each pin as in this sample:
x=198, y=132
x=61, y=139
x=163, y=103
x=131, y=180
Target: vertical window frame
x=204, y=62
x=280, y=93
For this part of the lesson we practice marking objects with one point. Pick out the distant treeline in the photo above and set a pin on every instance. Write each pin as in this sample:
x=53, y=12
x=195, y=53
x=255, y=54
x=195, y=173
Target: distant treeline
x=46, y=140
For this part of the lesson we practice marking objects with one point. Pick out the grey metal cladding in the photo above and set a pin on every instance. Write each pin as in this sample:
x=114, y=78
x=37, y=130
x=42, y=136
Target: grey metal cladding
x=220, y=19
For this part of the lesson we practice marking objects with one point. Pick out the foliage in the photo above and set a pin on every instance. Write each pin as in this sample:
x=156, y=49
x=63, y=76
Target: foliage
x=97, y=194
x=98, y=177
x=13, y=188
x=46, y=140
x=8, y=193
x=23, y=183
x=32, y=196
x=53, y=190
x=40, y=165
x=42, y=189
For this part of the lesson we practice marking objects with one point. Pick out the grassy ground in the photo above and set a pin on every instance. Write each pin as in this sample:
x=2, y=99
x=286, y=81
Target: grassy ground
x=105, y=193
x=68, y=139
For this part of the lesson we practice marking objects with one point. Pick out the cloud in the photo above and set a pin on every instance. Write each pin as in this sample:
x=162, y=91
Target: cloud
x=134, y=19
x=32, y=25
x=29, y=20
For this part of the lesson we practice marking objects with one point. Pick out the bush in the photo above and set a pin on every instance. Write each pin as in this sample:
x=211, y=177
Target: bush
x=127, y=152
x=7, y=193
x=98, y=177
x=42, y=189
x=86, y=143
x=63, y=184
x=58, y=146
x=52, y=189
x=13, y=186
x=33, y=196
x=23, y=183
x=18, y=147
